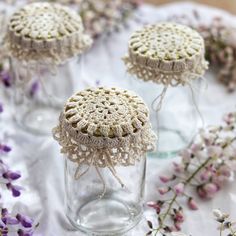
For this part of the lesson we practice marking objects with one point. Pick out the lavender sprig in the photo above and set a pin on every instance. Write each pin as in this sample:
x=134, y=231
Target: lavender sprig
x=205, y=166
x=20, y=224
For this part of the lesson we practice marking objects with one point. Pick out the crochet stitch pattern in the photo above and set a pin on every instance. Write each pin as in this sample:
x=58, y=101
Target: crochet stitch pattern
x=166, y=53
x=104, y=127
x=46, y=32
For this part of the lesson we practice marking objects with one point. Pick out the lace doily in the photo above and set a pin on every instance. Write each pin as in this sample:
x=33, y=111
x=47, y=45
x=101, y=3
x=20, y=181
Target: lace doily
x=166, y=53
x=46, y=32
x=104, y=127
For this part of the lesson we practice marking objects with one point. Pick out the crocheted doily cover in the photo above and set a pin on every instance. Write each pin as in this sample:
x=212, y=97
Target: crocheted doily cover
x=46, y=31
x=105, y=126
x=166, y=53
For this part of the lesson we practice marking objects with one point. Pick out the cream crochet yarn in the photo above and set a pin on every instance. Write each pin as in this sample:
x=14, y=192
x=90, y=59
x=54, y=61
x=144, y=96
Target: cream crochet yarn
x=166, y=53
x=44, y=32
x=104, y=127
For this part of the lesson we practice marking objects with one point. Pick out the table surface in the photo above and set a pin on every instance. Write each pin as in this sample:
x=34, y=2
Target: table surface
x=41, y=164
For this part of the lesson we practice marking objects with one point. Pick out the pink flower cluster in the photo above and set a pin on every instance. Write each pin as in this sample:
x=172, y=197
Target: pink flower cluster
x=206, y=165
x=220, y=44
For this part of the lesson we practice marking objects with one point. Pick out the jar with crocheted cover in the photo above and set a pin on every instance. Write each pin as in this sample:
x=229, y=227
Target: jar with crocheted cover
x=44, y=41
x=104, y=134
x=165, y=62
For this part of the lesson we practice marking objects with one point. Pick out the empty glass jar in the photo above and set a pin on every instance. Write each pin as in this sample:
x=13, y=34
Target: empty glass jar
x=105, y=135
x=164, y=62
x=44, y=40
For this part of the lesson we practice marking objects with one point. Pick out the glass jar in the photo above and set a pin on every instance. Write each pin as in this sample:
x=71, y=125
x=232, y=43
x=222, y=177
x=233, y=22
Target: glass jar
x=168, y=59
x=39, y=92
x=105, y=135
x=178, y=119
x=42, y=39
x=100, y=205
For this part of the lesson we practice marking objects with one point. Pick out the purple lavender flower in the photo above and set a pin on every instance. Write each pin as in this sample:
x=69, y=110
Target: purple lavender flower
x=6, y=79
x=9, y=220
x=2, y=225
x=4, y=212
x=21, y=232
x=1, y=108
x=10, y=175
x=5, y=148
x=25, y=221
x=34, y=88
x=15, y=189
x=97, y=83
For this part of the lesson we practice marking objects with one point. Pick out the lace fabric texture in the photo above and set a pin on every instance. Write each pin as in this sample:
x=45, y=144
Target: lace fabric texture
x=104, y=127
x=166, y=53
x=47, y=33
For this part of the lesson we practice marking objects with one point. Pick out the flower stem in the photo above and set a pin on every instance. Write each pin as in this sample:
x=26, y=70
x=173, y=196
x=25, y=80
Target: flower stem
x=192, y=176
x=186, y=182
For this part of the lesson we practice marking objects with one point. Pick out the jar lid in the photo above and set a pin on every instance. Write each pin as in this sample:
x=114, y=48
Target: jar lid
x=45, y=31
x=166, y=53
x=102, y=122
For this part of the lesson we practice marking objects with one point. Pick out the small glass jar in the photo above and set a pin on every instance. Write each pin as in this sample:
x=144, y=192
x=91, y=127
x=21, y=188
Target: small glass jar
x=164, y=64
x=105, y=135
x=44, y=40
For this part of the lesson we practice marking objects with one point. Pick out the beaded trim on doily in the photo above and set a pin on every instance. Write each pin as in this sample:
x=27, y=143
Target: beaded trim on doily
x=166, y=53
x=46, y=32
x=105, y=127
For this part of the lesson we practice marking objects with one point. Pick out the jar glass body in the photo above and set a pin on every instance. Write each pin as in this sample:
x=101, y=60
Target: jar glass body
x=38, y=94
x=177, y=120
x=97, y=204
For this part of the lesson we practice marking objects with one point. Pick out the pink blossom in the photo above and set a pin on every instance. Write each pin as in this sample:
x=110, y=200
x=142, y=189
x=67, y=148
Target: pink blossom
x=195, y=148
x=155, y=205
x=207, y=191
x=229, y=118
x=208, y=138
x=163, y=190
x=186, y=155
x=214, y=151
x=152, y=204
x=205, y=175
x=201, y=193
x=179, y=188
x=178, y=217
x=225, y=171
x=222, y=175
x=192, y=204
x=165, y=179
x=178, y=168
x=177, y=226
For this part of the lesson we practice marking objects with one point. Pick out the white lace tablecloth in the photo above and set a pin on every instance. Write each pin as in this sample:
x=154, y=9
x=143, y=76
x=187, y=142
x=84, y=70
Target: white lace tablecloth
x=42, y=166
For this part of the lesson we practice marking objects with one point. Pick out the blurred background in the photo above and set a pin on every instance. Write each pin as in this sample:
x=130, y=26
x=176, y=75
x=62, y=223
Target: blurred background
x=229, y=5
